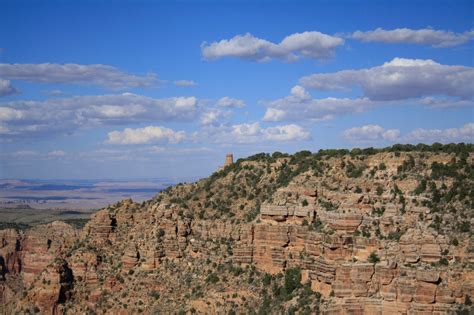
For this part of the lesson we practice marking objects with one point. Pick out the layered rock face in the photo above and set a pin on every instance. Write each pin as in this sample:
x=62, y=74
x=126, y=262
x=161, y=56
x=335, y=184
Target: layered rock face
x=365, y=244
x=34, y=258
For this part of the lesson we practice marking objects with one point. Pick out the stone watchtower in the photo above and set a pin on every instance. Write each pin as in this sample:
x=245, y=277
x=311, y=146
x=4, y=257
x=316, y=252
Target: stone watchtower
x=229, y=159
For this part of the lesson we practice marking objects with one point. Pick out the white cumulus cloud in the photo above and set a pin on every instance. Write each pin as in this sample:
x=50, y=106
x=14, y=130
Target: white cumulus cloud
x=426, y=36
x=69, y=114
x=230, y=102
x=95, y=74
x=6, y=88
x=247, y=133
x=214, y=115
x=286, y=133
x=300, y=105
x=371, y=132
x=445, y=102
x=115, y=111
x=4, y=130
x=25, y=153
x=9, y=114
x=313, y=45
x=150, y=134
x=56, y=153
x=185, y=83
x=463, y=133
x=400, y=79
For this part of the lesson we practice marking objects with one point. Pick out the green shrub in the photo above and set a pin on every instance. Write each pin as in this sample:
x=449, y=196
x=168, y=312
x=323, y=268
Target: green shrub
x=212, y=278
x=379, y=190
x=467, y=300
x=252, y=214
x=407, y=165
x=354, y=171
x=421, y=187
x=373, y=258
x=395, y=236
x=267, y=279
x=327, y=205
x=464, y=226
x=365, y=231
x=154, y=294
x=161, y=233
x=292, y=279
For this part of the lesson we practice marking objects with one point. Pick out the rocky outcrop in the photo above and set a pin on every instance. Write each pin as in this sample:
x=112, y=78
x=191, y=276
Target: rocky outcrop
x=101, y=227
x=53, y=288
x=10, y=246
x=290, y=213
x=341, y=222
x=33, y=258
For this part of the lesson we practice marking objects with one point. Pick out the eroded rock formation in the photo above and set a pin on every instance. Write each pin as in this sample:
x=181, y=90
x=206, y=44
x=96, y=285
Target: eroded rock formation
x=367, y=244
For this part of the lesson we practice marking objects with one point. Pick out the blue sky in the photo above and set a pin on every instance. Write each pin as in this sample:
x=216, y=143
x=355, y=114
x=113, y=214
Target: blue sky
x=148, y=89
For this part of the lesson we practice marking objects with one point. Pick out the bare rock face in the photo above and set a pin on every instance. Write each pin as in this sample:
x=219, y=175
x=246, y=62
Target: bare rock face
x=244, y=250
x=84, y=265
x=321, y=270
x=27, y=257
x=130, y=257
x=406, y=289
x=53, y=287
x=385, y=272
x=444, y=295
x=420, y=246
x=10, y=246
x=346, y=222
x=425, y=292
x=274, y=212
x=270, y=244
x=43, y=244
x=427, y=275
x=101, y=227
